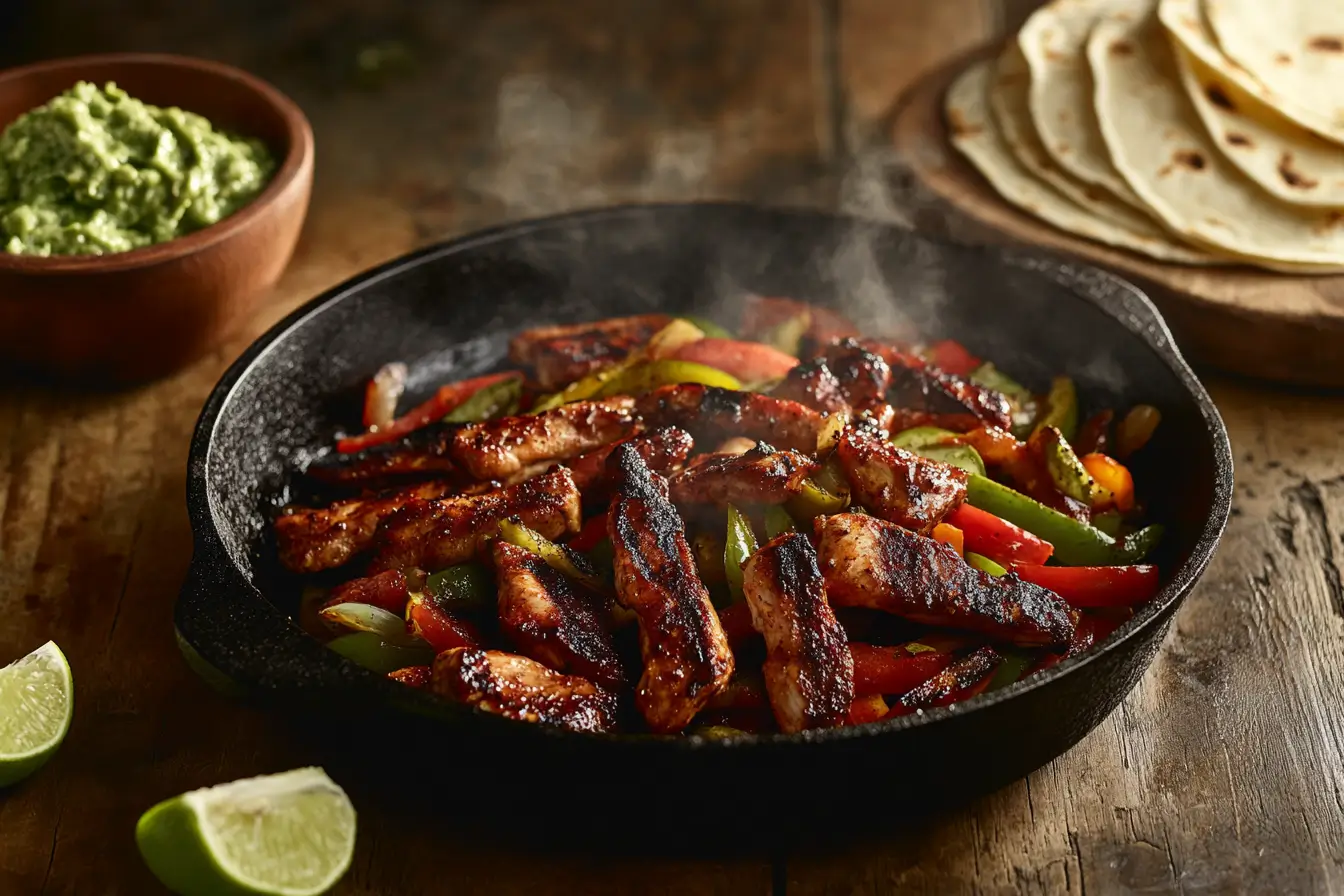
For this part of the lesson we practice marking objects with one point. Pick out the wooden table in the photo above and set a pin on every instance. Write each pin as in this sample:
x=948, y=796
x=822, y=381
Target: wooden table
x=1223, y=771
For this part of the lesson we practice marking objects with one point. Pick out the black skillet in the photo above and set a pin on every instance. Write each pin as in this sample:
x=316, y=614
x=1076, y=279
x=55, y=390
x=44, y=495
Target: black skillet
x=449, y=310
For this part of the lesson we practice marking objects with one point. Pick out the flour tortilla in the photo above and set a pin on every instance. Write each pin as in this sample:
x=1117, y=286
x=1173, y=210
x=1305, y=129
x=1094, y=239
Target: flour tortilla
x=1159, y=145
x=1288, y=162
x=1187, y=24
x=1053, y=41
x=975, y=135
x=1293, y=47
x=1008, y=103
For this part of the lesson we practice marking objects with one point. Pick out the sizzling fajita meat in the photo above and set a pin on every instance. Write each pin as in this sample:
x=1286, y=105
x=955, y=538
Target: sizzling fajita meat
x=327, y=537
x=561, y=354
x=497, y=449
x=759, y=476
x=920, y=388
x=899, y=486
x=552, y=620
x=686, y=655
x=437, y=534
x=868, y=562
x=422, y=453
x=520, y=688
x=663, y=449
x=712, y=414
x=809, y=673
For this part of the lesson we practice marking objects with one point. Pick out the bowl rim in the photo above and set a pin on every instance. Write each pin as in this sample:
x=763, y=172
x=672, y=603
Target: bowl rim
x=298, y=158
x=1125, y=303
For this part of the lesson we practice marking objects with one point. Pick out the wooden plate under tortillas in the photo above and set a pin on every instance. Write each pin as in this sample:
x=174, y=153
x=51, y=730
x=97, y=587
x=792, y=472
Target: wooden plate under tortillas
x=1235, y=318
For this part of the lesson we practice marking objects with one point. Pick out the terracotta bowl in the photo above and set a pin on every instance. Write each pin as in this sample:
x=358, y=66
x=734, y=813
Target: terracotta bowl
x=137, y=315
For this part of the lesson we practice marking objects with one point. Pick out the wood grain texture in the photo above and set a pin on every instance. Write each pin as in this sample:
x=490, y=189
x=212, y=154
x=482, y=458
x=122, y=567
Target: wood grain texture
x=1238, y=319
x=1222, y=772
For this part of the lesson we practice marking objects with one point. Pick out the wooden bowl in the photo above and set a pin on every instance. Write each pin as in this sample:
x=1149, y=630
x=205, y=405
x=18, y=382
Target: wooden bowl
x=137, y=315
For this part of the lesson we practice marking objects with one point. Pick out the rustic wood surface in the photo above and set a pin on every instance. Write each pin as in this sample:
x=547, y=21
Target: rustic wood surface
x=1222, y=772
x=1236, y=318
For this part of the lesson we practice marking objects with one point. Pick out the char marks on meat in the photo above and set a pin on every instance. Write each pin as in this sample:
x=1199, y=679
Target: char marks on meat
x=686, y=655
x=809, y=673
x=497, y=449
x=759, y=476
x=437, y=534
x=712, y=414
x=899, y=486
x=551, y=619
x=520, y=688
x=421, y=454
x=868, y=562
x=664, y=449
x=327, y=537
x=562, y=354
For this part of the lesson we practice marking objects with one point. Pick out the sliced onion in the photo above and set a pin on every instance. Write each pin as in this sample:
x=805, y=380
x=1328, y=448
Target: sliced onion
x=368, y=618
x=383, y=393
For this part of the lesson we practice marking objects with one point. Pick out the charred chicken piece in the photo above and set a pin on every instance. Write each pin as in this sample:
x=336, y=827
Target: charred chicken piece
x=663, y=449
x=422, y=453
x=871, y=563
x=552, y=620
x=328, y=537
x=562, y=354
x=809, y=673
x=759, y=476
x=899, y=486
x=439, y=534
x=929, y=390
x=497, y=449
x=686, y=655
x=519, y=688
x=712, y=414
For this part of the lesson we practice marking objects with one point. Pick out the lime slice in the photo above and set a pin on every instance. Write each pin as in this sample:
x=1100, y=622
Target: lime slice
x=37, y=698
x=291, y=834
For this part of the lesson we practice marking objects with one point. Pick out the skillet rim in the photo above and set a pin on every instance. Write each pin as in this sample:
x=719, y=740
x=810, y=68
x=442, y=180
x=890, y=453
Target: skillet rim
x=1116, y=298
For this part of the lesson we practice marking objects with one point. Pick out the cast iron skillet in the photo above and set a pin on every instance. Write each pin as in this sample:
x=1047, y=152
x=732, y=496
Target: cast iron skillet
x=448, y=311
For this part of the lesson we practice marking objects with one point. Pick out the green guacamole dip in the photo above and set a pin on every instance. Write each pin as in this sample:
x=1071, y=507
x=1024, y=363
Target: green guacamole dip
x=96, y=171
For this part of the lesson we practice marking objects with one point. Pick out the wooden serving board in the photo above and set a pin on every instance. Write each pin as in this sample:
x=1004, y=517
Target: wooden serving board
x=1278, y=327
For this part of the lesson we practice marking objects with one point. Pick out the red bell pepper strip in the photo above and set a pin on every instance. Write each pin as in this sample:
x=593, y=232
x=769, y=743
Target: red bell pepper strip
x=959, y=681
x=388, y=590
x=736, y=622
x=952, y=357
x=592, y=532
x=999, y=539
x=867, y=709
x=1096, y=586
x=893, y=670
x=436, y=408
x=436, y=626
x=414, y=676
x=749, y=362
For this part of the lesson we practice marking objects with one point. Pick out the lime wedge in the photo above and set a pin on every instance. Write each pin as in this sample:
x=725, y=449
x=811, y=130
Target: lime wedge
x=291, y=834
x=37, y=698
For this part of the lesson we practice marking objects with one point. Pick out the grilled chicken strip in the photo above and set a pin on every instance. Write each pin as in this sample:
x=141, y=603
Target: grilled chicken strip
x=686, y=654
x=712, y=414
x=562, y=354
x=327, y=537
x=867, y=562
x=420, y=454
x=519, y=688
x=437, y=534
x=809, y=673
x=552, y=620
x=497, y=449
x=920, y=388
x=663, y=449
x=759, y=476
x=899, y=486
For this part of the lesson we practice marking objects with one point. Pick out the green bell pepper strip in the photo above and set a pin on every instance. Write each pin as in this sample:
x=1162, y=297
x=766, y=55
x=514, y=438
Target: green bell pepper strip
x=1066, y=470
x=814, y=501
x=571, y=565
x=787, y=335
x=1061, y=408
x=465, y=588
x=650, y=375
x=739, y=545
x=984, y=564
x=585, y=387
x=1076, y=544
x=1015, y=662
x=369, y=650
x=1109, y=522
x=778, y=521
x=928, y=441
x=498, y=400
x=708, y=327
x=831, y=478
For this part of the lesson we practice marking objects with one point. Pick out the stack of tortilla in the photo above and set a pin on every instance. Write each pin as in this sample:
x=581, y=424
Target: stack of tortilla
x=1191, y=131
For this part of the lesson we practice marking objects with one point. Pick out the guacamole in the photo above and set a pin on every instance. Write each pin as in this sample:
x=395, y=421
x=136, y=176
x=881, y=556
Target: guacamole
x=96, y=171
